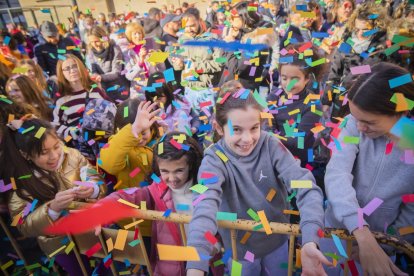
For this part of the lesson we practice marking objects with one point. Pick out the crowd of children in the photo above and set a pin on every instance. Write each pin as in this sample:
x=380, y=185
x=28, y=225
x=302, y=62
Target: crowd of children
x=272, y=107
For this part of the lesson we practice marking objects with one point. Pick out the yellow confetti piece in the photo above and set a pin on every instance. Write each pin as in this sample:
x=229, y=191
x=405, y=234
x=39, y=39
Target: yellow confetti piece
x=67, y=138
x=109, y=244
x=271, y=195
x=177, y=253
x=69, y=248
x=161, y=131
x=406, y=230
x=56, y=251
x=160, y=148
x=301, y=184
x=121, y=239
x=308, y=52
x=258, y=79
x=132, y=224
x=265, y=222
x=280, y=137
x=119, y=183
x=7, y=265
x=10, y=118
x=255, y=61
x=143, y=205
x=245, y=237
x=317, y=129
x=123, y=201
x=90, y=111
x=298, y=263
x=265, y=115
x=291, y=212
x=100, y=133
x=222, y=156
x=295, y=111
x=263, y=31
x=144, y=159
x=16, y=220
x=40, y=132
x=74, y=8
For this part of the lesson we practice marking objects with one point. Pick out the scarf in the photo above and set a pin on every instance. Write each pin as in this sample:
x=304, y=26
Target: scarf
x=103, y=54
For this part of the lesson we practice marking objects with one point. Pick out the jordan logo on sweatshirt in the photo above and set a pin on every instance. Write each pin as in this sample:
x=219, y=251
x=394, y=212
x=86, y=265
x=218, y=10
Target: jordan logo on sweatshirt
x=261, y=176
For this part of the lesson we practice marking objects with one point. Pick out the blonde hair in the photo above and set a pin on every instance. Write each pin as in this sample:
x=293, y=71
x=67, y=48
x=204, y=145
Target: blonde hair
x=132, y=28
x=40, y=77
x=32, y=94
x=100, y=33
x=362, y=12
x=64, y=85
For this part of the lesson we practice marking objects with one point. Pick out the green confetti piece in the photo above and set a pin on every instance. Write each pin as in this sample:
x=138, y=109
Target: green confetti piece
x=126, y=112
x=221, y=60
x=351, y=140
x=258, y=227
x=217, y=263
x=52, y=55
x=188, y=131
x=407, y=137
x=64, y=107
x=236, y=268
x=25, y=176
x=45, y=270
x=28, y=129
x=126, y=272
x=301, y=142
x=51, y=262
x=94, y=86
x=198, y=188
x=33, y=266
x=333, y=256
x=343, y=123
x=350, y=41
x=301, y=56
x=291, y=84
x=134, y=243
x=253, y=214
x=61, y=51
x=259, y=99
x=284, y=265
x=226, y=216
x=389, y=51
x=6, y=100
x=318, y=62
x=318, y=112
x=289, y=198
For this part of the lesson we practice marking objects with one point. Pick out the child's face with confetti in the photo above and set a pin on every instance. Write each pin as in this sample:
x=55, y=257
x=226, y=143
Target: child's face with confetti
x=371, y=124
x=175, y=173
x=145, y=137
x=52, y=151
x=243, y=133
x=293, y=80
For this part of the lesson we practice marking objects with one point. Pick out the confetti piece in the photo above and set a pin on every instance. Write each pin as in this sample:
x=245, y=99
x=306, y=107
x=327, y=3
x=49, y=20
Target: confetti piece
x=291, y=212
x=199, y=188
x=222, y=156
x=363, y=69
x=94, y=249
x=198, y=199
x=230, y=126
x=245, y=237
x=158, y=57
x=398, y=81
x=167, y=213
x=69, y=248
x=123, y=201
x=249, y=256
x=160, y=148
x=253, y=214
x=210, y=237
x=121, y=239
x=409, y=198
x=295, y=111
x=372, y=206
x=339, y=246
x=7, y=265
x=126, y=112
x=57, y=251
x=175, y=144
x=134, y=172
x=132, y=224
x=291, y=84
x=406, y=230
x=183, y=207
x=28, y=130
x=177, y=253
x=265, y=222
x=134, y=243
x=271, y=194
x=301, y=184
x=226, y=216
x=236, y=268
x=351, y=139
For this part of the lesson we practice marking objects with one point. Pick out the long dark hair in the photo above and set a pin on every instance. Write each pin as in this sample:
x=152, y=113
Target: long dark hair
x=194, y=154
x=251, y=19
x=232, y=87
x=166, y=89
x=15, y=146
x=372, y=92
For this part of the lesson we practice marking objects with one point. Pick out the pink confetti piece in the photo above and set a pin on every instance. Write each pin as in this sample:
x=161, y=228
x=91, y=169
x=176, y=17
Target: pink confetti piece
x=363, y=69
x=134, y=172
x=198, y=199
x=249, y=256
x=372, y=206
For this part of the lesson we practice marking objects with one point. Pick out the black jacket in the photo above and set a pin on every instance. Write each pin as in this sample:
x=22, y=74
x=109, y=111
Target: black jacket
x=47, y=54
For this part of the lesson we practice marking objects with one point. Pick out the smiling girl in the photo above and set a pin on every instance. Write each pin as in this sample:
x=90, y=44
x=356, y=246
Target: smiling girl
x=257, y=163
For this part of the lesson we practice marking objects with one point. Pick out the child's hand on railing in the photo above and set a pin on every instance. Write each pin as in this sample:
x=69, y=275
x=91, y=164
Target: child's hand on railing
x=312, y=260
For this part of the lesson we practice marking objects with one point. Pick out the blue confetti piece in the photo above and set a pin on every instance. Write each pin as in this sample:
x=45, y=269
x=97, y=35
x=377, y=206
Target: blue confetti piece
x=155, y=178
x=35, y=201
x=183, y=207
x=169, y=75
x=113, y=88
x=230, y=126
x=301, y=7
x=373, y=16
x=107, y=257
x=185, y=147
x=310, y=155
x=230, y=46
x=120, y=31
x=167, y=213
x=245, y=94
x=370, y=32
x=364, y=55
x=211, y=180
x=339, y=246
x=99, y=161
x=401, y=80
x=205, y=128
x=176, y=104
x=226, y=256
x=143, y=184
x=287, y=59
x=127, y=263
x=6, y=40
x=345, y=48
x=19, y=262
x=319, y=35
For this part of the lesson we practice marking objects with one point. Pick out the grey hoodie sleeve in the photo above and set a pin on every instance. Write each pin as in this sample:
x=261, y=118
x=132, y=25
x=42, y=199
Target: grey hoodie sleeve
x=204, y=214
x=309, y=200
x=338, y=180
x=116, y=66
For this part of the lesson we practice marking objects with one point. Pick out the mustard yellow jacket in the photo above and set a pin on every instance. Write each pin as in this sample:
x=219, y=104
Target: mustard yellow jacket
x=123, y=155
x=34, y=223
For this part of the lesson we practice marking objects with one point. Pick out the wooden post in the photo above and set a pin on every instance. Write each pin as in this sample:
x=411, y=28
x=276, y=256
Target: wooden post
x=233, y=235
x=291, y=251
x=348, y=252
x=183, y=235
x=144, y=252
x=105, y=249
x=78, y=257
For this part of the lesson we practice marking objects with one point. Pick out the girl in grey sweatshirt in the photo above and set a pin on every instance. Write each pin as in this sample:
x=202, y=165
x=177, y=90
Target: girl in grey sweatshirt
x=248, y=164
x=370, y=167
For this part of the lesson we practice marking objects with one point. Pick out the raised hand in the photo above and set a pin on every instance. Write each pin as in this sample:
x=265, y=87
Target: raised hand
x=145, y=117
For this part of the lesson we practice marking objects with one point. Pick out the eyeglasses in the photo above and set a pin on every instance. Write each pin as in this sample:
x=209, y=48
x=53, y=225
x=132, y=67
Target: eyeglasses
x=71, y=67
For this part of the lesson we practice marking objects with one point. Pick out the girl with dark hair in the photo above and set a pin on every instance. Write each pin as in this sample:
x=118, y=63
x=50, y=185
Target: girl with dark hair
x=372, y=168
x=256, y=162
x=130, y=150
x=176, y=112
x=297, y=79
x=176, y=161
x=45, y=173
